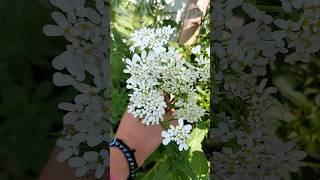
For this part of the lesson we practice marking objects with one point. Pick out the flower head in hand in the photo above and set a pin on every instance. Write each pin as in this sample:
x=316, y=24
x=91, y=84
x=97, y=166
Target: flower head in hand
x=179, y=134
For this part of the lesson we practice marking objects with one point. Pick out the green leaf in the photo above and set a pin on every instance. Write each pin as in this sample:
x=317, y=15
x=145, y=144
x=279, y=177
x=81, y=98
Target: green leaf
x=185, y=167
x=161, y=170
x=198, y=134
x=125, y=22
x=200, y=165
x=198, y=161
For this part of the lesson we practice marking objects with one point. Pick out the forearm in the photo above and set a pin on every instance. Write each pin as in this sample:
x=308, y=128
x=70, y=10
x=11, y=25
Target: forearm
x=144, y=139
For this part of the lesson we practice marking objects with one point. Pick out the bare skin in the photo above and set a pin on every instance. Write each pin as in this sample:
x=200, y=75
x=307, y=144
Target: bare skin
x=144, y=139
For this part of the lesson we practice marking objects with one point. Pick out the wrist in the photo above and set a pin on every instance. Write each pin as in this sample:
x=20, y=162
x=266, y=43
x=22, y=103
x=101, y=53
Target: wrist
x=133, y=143
x=118, y=164
x=143, y=139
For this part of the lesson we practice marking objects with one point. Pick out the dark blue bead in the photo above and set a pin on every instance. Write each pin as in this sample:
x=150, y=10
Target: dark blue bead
x=112, y=142
x=121, y=146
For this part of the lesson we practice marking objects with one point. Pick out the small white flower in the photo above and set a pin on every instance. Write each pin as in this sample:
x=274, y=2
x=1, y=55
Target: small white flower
x=196, y=49
x=179, y=134
x=204, y=69
x=189, y=109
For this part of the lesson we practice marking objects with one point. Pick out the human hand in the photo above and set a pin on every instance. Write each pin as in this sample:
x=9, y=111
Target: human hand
x=144, y=139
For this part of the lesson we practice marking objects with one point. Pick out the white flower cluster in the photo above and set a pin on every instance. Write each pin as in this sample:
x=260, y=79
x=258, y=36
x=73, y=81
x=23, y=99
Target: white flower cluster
x=203, y=62
x=149, y=105
x=188, y=108
x=84, y=66
x=151, y=38
x=179, y=134
x=158, y=72
x=242, y=53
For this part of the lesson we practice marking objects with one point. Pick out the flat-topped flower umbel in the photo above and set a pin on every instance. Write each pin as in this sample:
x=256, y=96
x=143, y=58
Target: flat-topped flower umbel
x=158, y=70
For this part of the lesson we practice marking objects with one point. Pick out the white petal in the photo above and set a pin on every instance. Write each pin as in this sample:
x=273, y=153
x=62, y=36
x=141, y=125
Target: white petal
x=76, y=162
x=186, y=147
x=92, y=69
x=92, y=15
x=78, y=138
x=81, y=125
x=66, y=106
x=65, y=154
x=82, y=87
x=62, y=4
x=94, y=139
x=60, y=19
x=180, y=121
x=78, y=3
x=72, y=18
x=63, y=143
x=218, y=49
x=187, y=128
x=196, y=49
x=165, y=134
x=81, y=171
x=69, y=118
x=100, y=171
x=281, y=23
x=91, y=156
x=60, y=79
x=59, y=62
x=166, y=141
x=53, y=30
x=82, y=98
x=252, y=10
x=104, y=153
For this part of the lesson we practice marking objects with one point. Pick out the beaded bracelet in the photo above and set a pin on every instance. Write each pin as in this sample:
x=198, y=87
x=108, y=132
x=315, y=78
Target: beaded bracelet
x=129, y=154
